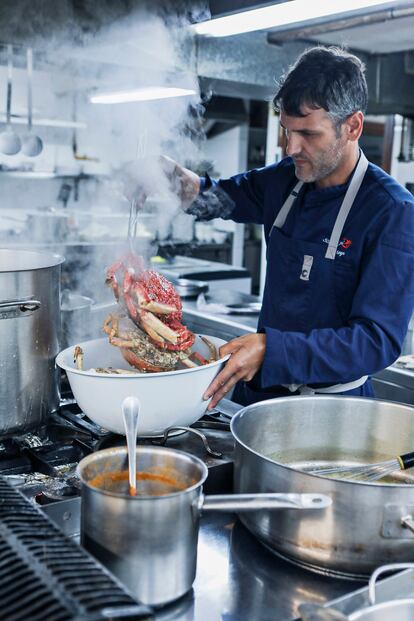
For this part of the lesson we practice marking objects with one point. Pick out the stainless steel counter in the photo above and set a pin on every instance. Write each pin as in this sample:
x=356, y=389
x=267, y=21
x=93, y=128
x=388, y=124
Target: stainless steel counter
x=237, y=579
x=240, y=580
x=395, y=384
x=392, y=383
x=218, y=275
x=225, y=326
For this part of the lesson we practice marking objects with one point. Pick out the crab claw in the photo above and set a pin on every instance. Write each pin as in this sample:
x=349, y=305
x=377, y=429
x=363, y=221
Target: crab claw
x=151, y=302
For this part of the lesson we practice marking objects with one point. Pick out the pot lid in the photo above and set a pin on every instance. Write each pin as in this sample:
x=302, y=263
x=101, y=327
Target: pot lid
x=15, y=260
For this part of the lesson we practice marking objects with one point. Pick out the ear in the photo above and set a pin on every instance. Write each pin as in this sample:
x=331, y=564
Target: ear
x=354, y=125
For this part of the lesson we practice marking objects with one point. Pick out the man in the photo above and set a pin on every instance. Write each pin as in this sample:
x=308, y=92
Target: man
x=339, y=289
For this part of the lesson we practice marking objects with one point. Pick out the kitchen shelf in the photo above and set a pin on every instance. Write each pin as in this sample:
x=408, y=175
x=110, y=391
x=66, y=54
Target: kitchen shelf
x=31, y=174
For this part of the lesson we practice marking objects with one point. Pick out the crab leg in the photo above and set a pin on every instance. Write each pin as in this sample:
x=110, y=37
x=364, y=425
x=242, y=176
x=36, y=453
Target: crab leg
x=189, y=363
x=196, y=356
x=211, y=347
x=78, y=358
x=151, y=322
x=158, y=308
x=144, y=302
x=117, y=338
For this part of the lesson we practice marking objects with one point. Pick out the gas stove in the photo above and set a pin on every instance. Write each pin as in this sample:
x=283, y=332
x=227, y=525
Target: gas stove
x=238, y=579
x=42, y=465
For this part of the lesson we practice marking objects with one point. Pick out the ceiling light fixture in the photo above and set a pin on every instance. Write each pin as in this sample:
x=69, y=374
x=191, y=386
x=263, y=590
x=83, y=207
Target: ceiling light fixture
x=141, y=94
x=282, y=14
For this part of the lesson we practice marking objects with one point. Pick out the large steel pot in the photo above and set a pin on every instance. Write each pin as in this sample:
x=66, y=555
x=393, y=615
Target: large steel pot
x=76, y=318
x=149, y=541
x=367, y=524
x=29, y=329
x=48, y=224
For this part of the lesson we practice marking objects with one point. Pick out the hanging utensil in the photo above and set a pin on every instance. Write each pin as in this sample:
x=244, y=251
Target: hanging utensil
x=369, y=472
x=10, y=143
x=32, y=145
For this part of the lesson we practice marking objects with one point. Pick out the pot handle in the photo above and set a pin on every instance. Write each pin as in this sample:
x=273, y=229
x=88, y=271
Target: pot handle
x=197, y=433
x=18, y=308
x=315, y=612
x=227, y=408
x=253, y=502
x=381, y=570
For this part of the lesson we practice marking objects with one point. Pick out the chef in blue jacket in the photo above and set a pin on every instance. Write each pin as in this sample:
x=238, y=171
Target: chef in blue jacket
x=339, y=289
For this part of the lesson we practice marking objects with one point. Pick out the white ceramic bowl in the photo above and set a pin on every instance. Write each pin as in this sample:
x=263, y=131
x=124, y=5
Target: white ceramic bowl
x=166, y=399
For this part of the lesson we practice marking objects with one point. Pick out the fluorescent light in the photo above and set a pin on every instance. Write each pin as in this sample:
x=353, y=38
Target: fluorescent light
x=141, y=94
x=294, y=11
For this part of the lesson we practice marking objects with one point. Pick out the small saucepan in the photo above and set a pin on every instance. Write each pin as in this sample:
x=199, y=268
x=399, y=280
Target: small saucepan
x=149, y=541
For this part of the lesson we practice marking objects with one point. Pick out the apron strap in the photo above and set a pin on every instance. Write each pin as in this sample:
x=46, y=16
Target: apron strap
x=343, y=212
x=346, y=207
x=284, y=212
x=347, y=203
x=307, y=390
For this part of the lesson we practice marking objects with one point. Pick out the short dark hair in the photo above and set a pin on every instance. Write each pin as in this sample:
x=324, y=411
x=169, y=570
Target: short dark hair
x=324, y=77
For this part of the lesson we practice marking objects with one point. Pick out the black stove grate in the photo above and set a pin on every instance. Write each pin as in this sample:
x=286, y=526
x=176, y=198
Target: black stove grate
x=46, y=576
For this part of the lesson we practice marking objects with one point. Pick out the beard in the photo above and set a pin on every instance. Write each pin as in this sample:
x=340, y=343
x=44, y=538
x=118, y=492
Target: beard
x=322, y=164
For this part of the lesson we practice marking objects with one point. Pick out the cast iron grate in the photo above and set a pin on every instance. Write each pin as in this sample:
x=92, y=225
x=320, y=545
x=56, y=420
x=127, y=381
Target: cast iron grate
x=46, y=576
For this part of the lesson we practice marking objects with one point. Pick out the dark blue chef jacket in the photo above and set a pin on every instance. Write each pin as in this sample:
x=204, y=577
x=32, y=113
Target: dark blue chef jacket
x=350, y=318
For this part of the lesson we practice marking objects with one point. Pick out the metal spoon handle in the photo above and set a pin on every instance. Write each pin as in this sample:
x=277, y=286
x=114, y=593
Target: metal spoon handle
x=130, y=412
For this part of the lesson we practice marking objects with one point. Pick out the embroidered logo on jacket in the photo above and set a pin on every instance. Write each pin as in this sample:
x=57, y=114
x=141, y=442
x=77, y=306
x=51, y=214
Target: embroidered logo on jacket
x=344, y=244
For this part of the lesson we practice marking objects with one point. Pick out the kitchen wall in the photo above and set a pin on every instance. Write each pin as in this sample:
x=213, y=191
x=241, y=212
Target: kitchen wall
x=228, y=154
x=402, y=171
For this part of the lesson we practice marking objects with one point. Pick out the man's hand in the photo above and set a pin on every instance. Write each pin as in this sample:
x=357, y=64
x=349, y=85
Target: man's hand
x=140, y=178
x=246, y=357
x=184, y=182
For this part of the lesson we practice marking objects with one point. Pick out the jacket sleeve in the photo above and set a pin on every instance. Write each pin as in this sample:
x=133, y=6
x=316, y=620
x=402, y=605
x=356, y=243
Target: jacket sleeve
x=372, y=339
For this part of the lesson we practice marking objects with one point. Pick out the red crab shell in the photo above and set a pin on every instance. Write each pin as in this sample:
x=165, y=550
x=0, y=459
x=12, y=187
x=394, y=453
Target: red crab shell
x=152, y=303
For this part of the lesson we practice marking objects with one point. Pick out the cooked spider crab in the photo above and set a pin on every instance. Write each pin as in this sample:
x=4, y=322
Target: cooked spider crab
x=156, y=340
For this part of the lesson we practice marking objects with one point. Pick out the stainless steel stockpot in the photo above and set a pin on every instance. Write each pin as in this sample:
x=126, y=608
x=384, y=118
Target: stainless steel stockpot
x=150, y=541
x=29, y=332
x=367, y=524
x=75, y=318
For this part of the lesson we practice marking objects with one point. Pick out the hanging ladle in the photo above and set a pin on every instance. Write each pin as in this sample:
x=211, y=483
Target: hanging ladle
x=130, y=412
x=32, y=145
x=10, y=143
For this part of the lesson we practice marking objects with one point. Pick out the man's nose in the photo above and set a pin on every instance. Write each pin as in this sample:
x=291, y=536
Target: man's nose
x=293, y=145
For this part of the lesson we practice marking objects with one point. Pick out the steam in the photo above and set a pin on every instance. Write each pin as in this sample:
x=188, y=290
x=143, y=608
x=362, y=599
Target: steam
x=102, y=47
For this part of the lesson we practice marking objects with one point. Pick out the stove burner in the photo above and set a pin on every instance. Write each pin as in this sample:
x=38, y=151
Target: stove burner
x=58, y=490
x=43, y=465
x=30, y=440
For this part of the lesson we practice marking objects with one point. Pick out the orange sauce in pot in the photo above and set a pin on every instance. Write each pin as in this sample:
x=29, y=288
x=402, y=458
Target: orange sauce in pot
x=148, y=483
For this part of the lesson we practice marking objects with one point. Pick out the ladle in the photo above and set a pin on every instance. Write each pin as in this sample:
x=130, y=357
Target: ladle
x=32, y=145
x=130, y=412
x=10, y=143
